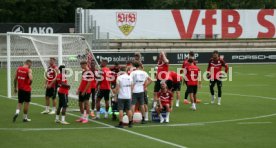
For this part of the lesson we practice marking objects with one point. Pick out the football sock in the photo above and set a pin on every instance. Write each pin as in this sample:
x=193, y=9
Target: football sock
x=219, y=99
x=47, y=108
x=146, y=114
x=57, y=117
x=120, y=123
x=160, y=116
x=167, y=115
x=154, y=104
x=98, y=114
x=25, y=116
x=213, y=97
x=62, y=118
x=17, y=111
x=54, y=109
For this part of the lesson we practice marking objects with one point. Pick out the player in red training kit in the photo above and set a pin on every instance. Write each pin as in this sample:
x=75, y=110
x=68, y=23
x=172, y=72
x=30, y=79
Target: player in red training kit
x=51, y=86
x=165, y=99
x=84, y=92
x=193, y=75
x=184, y=70
x=22, y=86
x=103, y=88
x=215, y=74
x=162, y=74
x=62, y=95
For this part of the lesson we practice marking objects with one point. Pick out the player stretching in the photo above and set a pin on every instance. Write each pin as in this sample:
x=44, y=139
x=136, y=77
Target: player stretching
x=165, y=102
x=176, y=85
x=51, y=87
x=84, y=92
x=162, y=71
x=123, y=93
x=214, y=68
x=193, y=81
x=141, y=80
x=62, y=95
x=103, y=88
x=22, y=86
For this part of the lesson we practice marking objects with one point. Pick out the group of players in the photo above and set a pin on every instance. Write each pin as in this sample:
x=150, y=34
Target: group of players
x=127, y=84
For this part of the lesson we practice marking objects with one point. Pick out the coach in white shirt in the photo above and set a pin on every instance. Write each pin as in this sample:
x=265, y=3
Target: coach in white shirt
x=124, y=88
x=141, y=80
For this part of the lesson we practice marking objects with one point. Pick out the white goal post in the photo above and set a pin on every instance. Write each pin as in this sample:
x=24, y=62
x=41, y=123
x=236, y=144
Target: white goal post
x=68, y=49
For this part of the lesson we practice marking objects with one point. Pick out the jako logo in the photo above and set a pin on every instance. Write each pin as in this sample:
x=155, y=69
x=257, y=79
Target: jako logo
x=18, y=29
x=253, y=57
x=36, y=30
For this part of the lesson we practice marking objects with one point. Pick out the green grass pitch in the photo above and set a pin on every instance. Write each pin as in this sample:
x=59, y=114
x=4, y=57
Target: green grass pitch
x=246, y=118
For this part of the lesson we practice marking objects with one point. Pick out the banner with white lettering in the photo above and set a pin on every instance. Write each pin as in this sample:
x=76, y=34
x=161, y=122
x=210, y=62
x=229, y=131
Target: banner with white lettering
x=186, y=24
x=37, y=28
x=201, y=57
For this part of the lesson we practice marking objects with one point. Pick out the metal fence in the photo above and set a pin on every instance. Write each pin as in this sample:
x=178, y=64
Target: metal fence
x=84, y=23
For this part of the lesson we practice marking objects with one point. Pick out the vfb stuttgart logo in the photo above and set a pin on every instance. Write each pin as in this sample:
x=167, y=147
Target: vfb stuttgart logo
x=126, y=21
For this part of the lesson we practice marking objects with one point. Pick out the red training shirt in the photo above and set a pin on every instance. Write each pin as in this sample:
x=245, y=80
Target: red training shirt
x=165, y=97
x=192, y=75
x=215, y=67
x=23, y=80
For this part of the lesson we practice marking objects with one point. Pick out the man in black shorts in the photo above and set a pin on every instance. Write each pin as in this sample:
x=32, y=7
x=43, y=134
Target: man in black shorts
x=51, y=87
x=103, y=87
x=124, y=84
x=22, y=85
x=84, y=92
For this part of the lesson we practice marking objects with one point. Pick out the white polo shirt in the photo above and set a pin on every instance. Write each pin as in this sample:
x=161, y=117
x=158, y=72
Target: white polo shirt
x=139, y=77
x=124, y=82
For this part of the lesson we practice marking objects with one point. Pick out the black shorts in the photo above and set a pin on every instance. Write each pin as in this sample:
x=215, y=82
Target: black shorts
x=93, y=93
x=192, y=89
x=63, y=100
x=113, y=85
x=176, y=86
x=214, y=82
x=146, y=98
x=124, y=104
x=169, y=84
x=24, y=96
x=51, y=93
x=103, y=93
x=138, y=97
x=85, y=97
x=157, y=86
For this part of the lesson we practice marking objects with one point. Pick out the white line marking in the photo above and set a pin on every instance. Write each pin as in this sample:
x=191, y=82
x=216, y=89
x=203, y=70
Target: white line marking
x=125, y=130
x=50, y=129
x=210, y=122
x=270, y=98
x=249, y=123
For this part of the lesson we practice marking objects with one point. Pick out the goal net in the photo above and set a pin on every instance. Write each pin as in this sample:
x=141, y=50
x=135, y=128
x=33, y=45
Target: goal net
x=67, y=49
